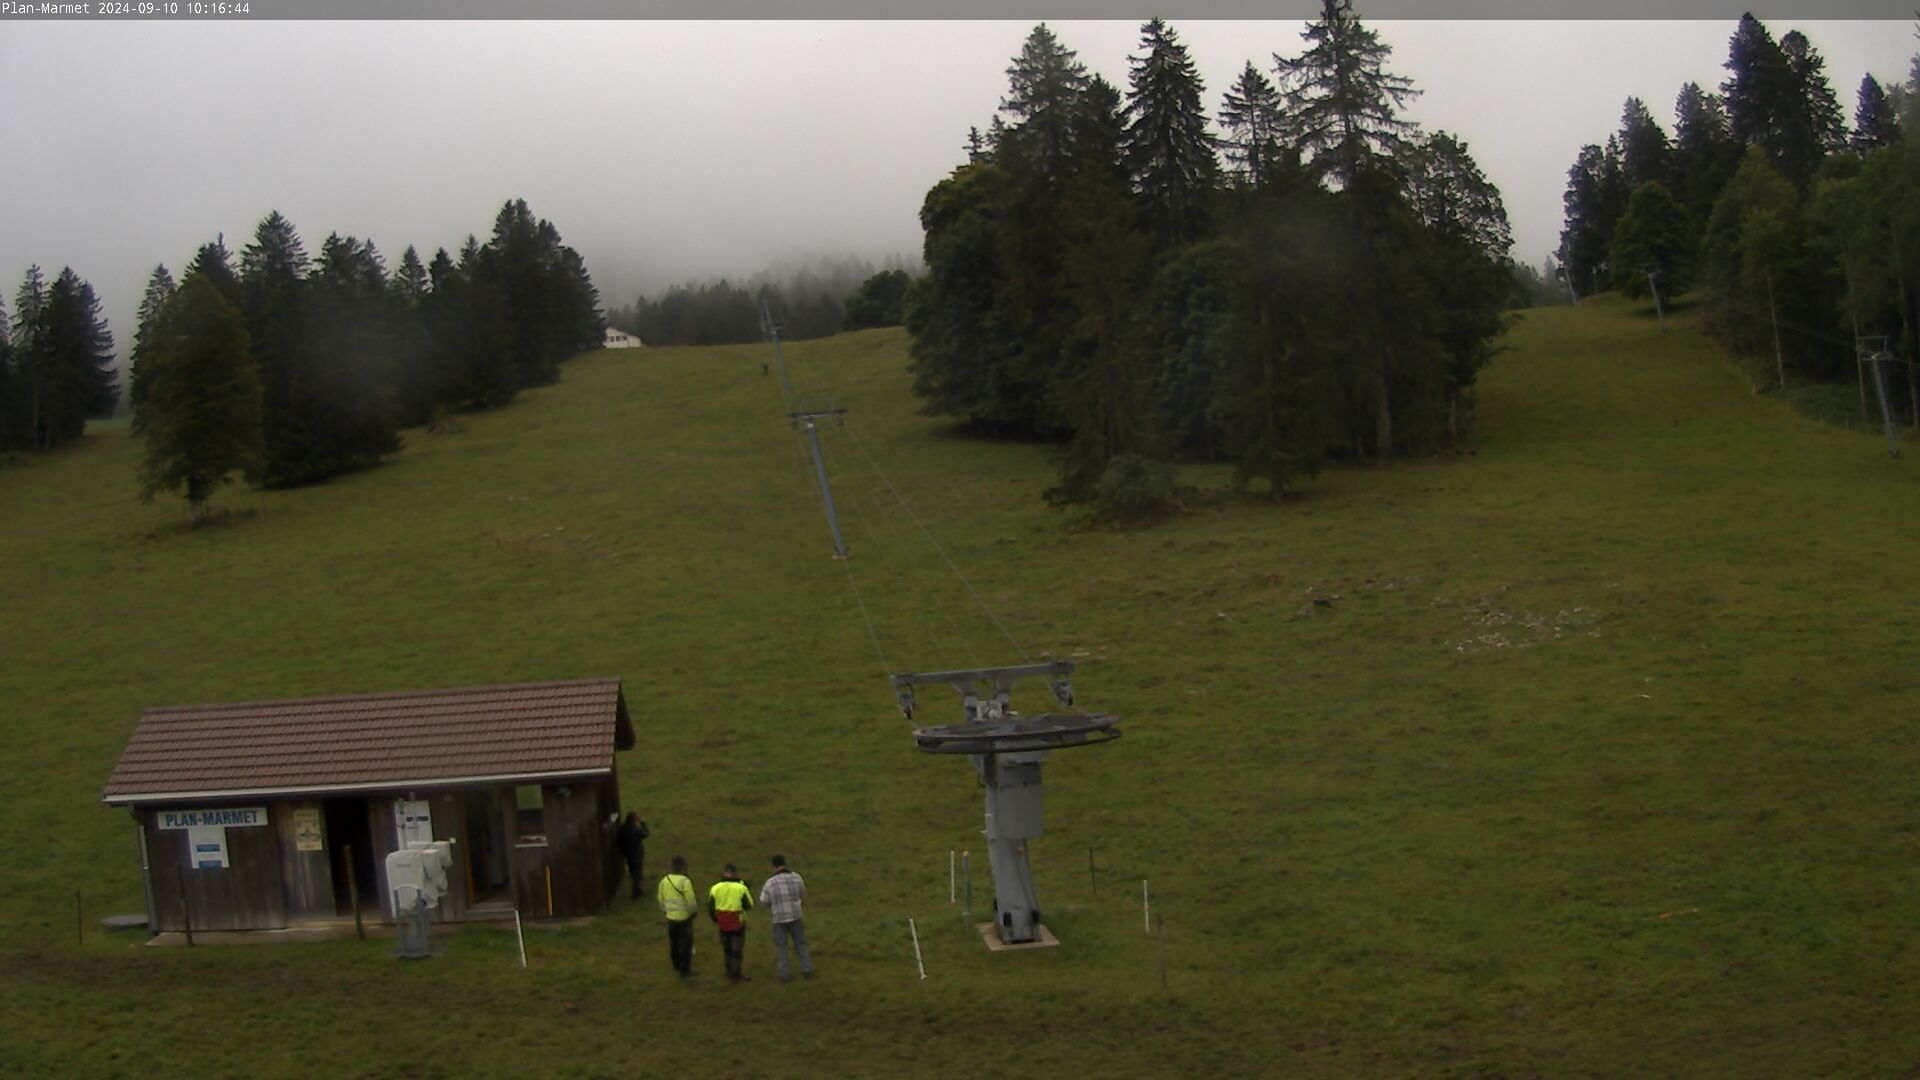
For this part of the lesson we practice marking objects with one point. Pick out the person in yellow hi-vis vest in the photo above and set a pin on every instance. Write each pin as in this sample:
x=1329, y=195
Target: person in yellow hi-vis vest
x=675, y=895
x=727, y=904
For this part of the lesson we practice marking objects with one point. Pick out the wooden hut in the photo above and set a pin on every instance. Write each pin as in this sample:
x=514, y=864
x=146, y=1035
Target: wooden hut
x=272, y=814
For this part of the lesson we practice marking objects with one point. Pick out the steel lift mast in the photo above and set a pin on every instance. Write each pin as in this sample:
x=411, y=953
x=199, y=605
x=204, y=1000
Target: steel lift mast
x=1007, y=751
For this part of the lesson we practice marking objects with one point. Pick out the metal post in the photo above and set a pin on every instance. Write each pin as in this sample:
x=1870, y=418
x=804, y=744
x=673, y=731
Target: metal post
x=826, y=490
x=786, y=388
x=1161, y=926
x=146, y=876
x=186, y=907
x=353, y=894
x=1654, y=287
x=1093, y=883
x=966, y=884
x=1886, y=413
x=79, y=919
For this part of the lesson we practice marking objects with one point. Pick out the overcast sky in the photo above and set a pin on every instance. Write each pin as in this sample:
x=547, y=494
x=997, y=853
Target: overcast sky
x=668, y=151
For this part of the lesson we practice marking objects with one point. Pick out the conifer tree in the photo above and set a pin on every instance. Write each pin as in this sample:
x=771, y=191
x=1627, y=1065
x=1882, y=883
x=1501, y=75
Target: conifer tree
x=202, y=412
x=32, y=362
x=1342, y=105
x=215, y=263
x=269, y=296
x=1342, y=111
x=1778, y=98
x=9, y=407
x=1169, y=152
x=1594, y=202
x=1044, y=86
x=160, y=287
x=1704, y=153
x=1643, y=146
x=1875, y=122
x=411, y=282
x=78, y=349
x=1252, y=128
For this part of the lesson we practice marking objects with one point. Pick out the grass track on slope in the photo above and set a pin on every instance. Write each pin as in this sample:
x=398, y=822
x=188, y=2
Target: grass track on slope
x=1600, y=762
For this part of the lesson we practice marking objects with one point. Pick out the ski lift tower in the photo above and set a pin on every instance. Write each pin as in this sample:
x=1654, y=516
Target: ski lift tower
x=1007, y=750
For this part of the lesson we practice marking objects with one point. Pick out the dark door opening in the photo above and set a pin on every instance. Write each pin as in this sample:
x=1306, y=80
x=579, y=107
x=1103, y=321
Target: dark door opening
x=486, y=848
x=348, y=827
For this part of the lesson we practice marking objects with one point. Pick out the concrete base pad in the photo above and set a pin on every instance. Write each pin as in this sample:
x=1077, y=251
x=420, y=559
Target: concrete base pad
x=990, y=934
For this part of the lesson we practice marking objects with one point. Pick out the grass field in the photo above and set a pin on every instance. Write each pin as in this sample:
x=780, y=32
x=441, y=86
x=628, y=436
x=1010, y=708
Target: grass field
x=1600, y=763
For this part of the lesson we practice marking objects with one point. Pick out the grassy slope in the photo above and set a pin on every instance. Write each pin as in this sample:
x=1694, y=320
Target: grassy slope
x=1600, y=762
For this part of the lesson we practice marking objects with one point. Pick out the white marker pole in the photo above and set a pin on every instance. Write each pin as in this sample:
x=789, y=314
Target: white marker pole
x=519, y=937
x=950, y=876
x=1146, y=906
x=921, y=964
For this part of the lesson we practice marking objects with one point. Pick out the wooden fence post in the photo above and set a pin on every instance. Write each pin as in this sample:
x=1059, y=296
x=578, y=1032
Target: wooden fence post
x=353, y=894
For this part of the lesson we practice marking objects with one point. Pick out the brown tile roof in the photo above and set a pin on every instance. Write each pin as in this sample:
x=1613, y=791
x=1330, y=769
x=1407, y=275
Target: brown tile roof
x=371, y=741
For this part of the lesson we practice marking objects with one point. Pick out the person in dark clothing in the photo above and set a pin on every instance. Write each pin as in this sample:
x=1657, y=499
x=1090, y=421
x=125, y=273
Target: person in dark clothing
x=632, y=839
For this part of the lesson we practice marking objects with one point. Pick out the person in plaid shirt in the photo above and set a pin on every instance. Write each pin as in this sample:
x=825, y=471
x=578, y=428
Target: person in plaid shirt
x=782, y=896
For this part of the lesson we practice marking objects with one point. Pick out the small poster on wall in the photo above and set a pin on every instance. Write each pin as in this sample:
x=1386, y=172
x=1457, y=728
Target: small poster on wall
x=207, y=847
x=307, y=833
x=414, y=820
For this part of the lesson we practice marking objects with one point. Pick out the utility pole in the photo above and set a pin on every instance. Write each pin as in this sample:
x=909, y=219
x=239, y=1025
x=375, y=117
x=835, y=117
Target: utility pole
x=773, y=331
x=804, y=420
x=1653, y=272
x=1566, y=279
x=1873, y=351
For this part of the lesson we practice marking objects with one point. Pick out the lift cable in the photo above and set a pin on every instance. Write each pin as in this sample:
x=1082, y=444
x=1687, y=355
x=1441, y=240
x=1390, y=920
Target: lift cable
x=924, y=531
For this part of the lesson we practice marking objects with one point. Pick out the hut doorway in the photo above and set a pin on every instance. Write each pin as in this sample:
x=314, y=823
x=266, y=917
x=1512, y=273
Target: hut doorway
x=486, y=849
x=348, y=827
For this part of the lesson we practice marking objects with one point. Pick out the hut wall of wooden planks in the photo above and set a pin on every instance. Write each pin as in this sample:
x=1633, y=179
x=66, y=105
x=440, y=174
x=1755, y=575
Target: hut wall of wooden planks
x=266, y=815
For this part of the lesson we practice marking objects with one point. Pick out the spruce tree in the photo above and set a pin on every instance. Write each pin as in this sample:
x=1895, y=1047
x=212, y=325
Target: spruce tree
x=1594, y=202
x=1252, y=128
x=1643, y=146
x=1704, y=153
x=1342, y=111
x=215, y=263
x=9, y=407
x=1875, y=122
x=33, y=363
x=1044, y=86
x=269, y=296
x=78, y=348
x=160, y=287
x=1342, y=105
x=202, y=413
x=1169, y=153
x=1778, y=98
x=411, y=282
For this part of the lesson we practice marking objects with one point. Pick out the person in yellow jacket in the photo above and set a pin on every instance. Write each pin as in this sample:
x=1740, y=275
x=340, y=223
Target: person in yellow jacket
x=727, y=904
x=675, y=894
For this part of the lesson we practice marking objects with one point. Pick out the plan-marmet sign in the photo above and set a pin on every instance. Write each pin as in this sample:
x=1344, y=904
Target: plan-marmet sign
x=196, y=819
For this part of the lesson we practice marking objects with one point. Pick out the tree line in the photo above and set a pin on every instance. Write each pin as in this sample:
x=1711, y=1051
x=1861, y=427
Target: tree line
x=1317, y=278
x=811, y=302
x=56, y=362
x=289, y=369
x=1802, y=237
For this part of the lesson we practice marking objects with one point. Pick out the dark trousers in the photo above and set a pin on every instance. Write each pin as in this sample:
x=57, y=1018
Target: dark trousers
x=638, y=869
x=680, y=945
x=734, y=944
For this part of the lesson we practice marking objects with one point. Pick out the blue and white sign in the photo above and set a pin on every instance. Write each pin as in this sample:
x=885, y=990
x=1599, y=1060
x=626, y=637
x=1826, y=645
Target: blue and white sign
x=224, y=819
x=207, y=847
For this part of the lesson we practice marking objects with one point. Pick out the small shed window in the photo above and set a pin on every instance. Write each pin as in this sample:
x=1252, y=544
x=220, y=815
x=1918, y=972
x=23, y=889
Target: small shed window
x=531, y=814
